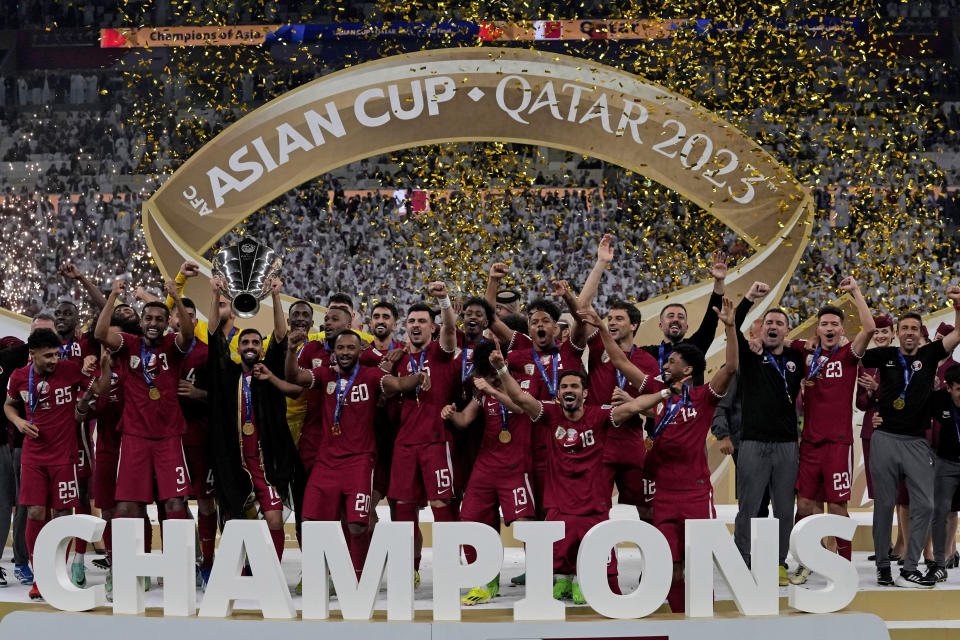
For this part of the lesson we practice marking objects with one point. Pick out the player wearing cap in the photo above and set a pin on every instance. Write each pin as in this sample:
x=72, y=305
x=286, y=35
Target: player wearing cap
x=576, y=479
x=826, y=444
x=153, y=424
x=45, y=391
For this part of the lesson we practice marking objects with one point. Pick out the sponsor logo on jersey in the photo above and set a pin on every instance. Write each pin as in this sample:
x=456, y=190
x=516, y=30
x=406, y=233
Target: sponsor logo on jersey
x=528, y=369
x=605, y=358
x=331, y=387
x=559, y=434
x=134, y=362
x=25, y=395
x=524, y=384
x=317, y=362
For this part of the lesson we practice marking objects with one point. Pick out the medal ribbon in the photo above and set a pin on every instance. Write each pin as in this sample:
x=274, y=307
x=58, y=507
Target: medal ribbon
x=247, y=399
x=622, y=379
x=504, y=418
x=817, y=363
x=554, y=363
x=144, y=354
x=663, y=354
x=300, y=348
x=342, y=394
x=190, y=348
x=781, y=367
x=673, y=408
x=907, y=374
x=33, y=398
x=415, y=367
x=67, y=349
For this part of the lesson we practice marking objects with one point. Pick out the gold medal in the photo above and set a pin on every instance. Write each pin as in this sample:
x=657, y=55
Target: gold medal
x=808, y=383
x=335, y=430
x=647, y=444
x=154, y=393
x=898, y=404
x=505, y=436
x=247, y=428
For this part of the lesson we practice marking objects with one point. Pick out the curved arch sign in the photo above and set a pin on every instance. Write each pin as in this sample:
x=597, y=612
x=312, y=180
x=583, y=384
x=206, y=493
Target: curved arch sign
x=484, y=94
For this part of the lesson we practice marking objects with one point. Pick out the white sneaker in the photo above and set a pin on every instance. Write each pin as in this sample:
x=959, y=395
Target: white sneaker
x=800, y=575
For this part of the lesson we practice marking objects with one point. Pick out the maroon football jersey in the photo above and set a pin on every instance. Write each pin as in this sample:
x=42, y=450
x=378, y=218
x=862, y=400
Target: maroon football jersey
x=55, y=397
x=577, y=482
x=358, y=408
x=678, y=460
x=828, y=404
x=420, y=420
x=312, y=354
x=79, y=348
x=143, y=416
x=193, y=369
x=604, y=377
x=108, y=410
x=513, y=455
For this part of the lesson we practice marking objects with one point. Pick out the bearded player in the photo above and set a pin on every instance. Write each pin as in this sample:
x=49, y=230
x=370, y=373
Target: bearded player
x=576, y=479
x=153, y=423
x=422, y=467
x=500, y=480
x=677, y=459
x=826, y=442
x=341, y=479
x=45, y=391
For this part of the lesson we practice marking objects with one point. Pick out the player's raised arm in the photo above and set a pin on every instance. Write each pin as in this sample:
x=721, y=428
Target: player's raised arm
x=448, y=330
x=641, y=404
x=604, y=258
x=721, y=381
x=867, y=324
x=498, y=271
x=561, y=289
x=279, y=322
x=185, y=337
x=71, y=272
x=101, y=332
x=618, y=358
x=500, y=395
x=952, y=339
x=524, y=401
x=291, y=367
x=214, y=319
x=262, y=372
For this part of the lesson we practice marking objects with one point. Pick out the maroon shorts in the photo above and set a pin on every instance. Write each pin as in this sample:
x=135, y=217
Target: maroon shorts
x=825, y=471
x=623, y=461
x=105, y=478
x=340, y=486
x=201, y=475
x=266, y=495
x=84, y=459
x=488, y=488
x=142, y=460
x=307, y=446
x=53, y=486
x=421, y=470
x=671, y=510
x=648, y=489
x=575, y=527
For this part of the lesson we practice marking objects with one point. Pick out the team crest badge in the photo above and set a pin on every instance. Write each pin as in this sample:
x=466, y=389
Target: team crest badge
x=317, y=362
x=43, y=387
x=791, y=367
x=25, y=395
x=571, y=438
x=524, y=384
x=559, y=434
x=916, y=366
x=134, y=362
x=331, y=386
x=528, y=369
x=605, y=358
